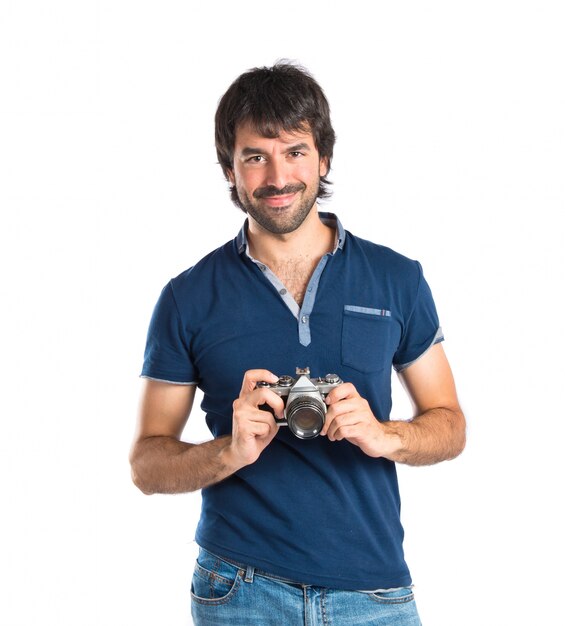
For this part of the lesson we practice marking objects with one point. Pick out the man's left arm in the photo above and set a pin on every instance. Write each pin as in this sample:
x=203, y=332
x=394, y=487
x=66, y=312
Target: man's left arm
x=436, y=433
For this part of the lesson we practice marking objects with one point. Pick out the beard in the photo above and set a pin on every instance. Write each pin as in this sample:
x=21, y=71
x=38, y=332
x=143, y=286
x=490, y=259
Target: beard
x=283, y=219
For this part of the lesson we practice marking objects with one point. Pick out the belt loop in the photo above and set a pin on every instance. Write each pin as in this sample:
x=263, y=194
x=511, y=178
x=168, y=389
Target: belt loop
x=249, y=572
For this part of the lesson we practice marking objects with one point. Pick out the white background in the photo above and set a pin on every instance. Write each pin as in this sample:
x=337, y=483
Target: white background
x=450, y=149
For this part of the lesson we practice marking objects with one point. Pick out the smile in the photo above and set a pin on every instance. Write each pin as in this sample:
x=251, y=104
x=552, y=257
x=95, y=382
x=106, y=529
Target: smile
x=277, y=201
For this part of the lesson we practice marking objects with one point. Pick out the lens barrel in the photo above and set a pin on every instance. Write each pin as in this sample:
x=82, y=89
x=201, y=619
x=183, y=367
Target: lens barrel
x=305, y=416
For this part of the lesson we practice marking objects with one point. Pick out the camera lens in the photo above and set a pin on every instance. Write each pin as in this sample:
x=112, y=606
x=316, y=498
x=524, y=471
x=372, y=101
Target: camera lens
x=305, y=417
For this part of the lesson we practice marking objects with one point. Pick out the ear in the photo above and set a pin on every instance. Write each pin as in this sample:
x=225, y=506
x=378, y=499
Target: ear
x=231, y=177
x=324, y=166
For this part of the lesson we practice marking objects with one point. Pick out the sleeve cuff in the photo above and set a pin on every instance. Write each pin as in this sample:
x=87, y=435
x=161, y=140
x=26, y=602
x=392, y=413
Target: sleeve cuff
x=438, y=337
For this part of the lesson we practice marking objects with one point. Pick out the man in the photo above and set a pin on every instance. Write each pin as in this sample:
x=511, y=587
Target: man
x=293, y=530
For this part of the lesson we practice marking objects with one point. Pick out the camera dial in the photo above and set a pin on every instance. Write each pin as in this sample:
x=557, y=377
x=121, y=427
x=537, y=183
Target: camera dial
x=286, y=381
x=332, y=379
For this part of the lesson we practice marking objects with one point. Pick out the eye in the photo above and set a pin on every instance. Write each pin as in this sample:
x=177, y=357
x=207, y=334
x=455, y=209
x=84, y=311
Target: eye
x=256, y=158
x=295, y=154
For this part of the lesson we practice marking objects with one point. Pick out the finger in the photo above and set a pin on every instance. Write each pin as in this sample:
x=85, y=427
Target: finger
x=343, y=427
x=252, y=377
x=247, y=434
x=348, y=431
x=330, y=416
x=347, y=405
x=337, y=410
x=349, y=411
x=261, y=429
x=345, y=390
x=263, y=396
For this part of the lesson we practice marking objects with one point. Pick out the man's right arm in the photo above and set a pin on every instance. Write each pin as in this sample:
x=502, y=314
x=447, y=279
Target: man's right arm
x=162, y=463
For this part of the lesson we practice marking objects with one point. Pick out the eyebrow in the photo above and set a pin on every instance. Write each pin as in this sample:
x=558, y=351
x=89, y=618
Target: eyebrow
x=248, y=151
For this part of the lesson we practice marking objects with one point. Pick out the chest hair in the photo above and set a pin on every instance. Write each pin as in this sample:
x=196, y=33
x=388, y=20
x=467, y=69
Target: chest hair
x=295, y=275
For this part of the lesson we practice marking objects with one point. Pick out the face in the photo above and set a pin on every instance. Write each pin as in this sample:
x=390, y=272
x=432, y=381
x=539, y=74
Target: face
x=276, y=180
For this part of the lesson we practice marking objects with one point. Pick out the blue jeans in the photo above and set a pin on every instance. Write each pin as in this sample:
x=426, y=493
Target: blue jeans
x=227, y=594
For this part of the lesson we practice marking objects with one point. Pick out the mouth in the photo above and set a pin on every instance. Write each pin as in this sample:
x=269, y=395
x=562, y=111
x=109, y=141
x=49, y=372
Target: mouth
x=279, y=201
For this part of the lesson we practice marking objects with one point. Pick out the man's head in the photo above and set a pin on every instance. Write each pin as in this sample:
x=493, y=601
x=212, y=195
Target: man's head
x=274, y=102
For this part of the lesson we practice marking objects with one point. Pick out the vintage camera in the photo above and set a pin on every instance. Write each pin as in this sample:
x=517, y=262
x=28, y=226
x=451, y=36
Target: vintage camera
x=305, y=409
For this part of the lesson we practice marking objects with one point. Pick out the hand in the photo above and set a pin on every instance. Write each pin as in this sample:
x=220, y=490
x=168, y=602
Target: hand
x=253, y=429
x=350, y=417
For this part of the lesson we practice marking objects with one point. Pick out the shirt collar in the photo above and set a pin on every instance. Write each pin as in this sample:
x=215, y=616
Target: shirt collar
x=329, y=219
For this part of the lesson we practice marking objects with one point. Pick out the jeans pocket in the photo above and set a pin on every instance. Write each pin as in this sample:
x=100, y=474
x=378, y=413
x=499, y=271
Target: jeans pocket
x=366, y=338
x=214, y=581
x=394, y=596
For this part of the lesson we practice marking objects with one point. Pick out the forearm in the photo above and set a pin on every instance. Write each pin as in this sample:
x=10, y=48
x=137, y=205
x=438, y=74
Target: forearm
x=435, y=435
x=167, y=465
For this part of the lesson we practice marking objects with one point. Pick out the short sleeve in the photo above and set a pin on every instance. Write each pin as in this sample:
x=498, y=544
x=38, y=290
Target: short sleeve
x=421, y=330
x=167, y=354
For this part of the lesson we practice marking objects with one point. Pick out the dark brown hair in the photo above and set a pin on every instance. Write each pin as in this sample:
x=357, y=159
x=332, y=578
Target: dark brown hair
x=284, y=97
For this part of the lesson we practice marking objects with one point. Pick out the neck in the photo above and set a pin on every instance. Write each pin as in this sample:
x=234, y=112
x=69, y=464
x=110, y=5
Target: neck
x=311, y=240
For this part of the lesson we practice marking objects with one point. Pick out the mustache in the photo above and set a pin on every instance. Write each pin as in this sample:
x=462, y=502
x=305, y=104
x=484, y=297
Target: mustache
x=271, y=191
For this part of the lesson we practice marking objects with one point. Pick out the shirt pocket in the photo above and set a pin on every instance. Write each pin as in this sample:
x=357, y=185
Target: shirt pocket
x=366, y=338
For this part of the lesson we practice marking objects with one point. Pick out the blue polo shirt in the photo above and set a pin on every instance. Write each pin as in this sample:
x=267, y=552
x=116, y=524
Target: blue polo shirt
x=314, y=511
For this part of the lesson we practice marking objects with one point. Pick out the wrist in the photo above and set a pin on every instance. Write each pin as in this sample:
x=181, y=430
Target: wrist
x=229, y=457
x=392, y=443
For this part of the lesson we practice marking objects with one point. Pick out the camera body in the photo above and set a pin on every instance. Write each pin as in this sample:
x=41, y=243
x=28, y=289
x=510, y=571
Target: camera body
x=305, y=409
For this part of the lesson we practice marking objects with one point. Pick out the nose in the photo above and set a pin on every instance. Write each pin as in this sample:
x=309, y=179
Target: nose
x=277, y=173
